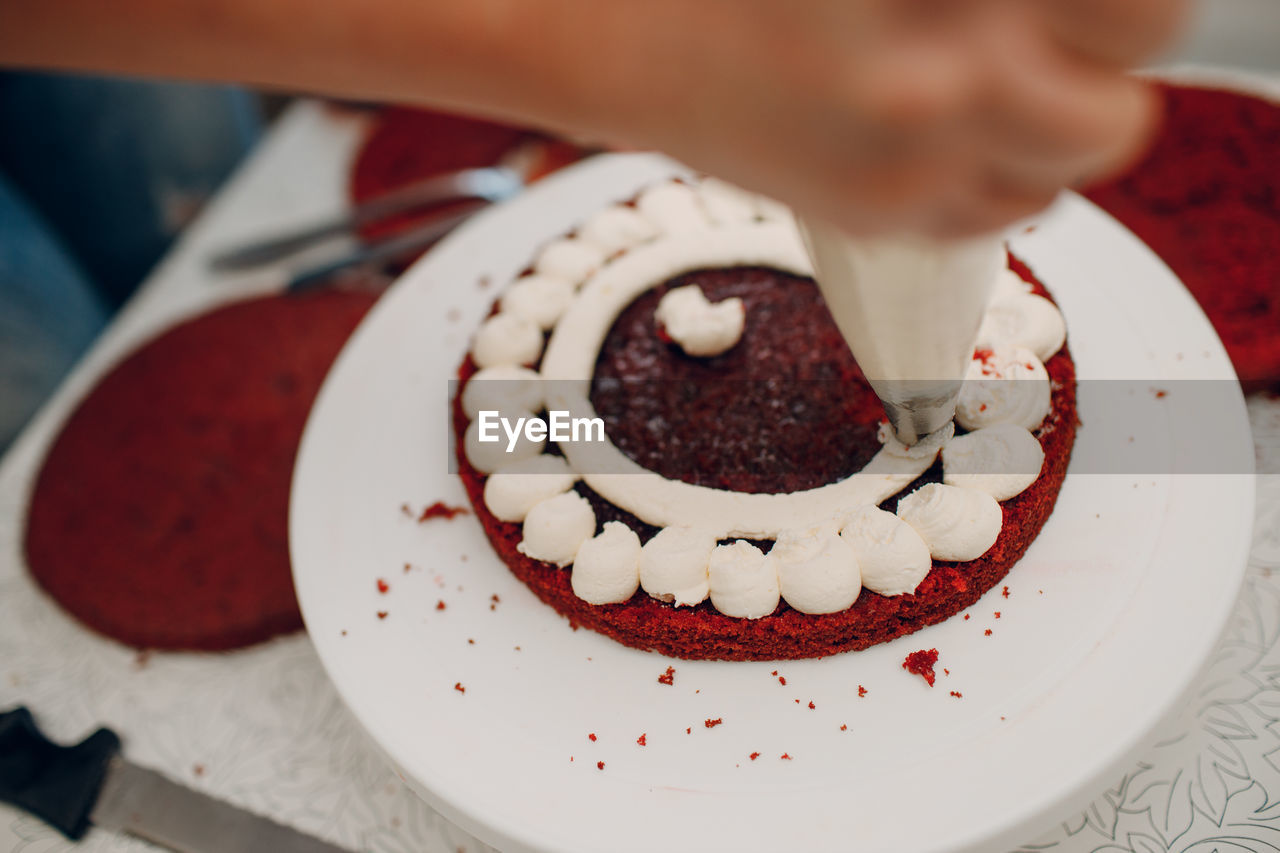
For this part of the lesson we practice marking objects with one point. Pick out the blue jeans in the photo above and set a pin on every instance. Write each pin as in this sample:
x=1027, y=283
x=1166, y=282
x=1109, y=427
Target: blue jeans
x=96, y=178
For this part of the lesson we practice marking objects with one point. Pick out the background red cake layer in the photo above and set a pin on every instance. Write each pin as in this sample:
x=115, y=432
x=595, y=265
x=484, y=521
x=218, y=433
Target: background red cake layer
x=701, y=632
x=1206, y=199
x=159, y=517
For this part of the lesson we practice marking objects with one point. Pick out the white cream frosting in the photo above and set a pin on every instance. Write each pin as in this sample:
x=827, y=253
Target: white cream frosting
x=506, y=388
x=512, y=490
x=1009, y=283
x=606, y=569
x=489, y=456
x=1002, y=460
x=817, y=570
x=570, y=259
x=725, y=203
x=892, y=557
x=618, y=228
x=1009, y=385
x=744, y=582
x=701, y=328
x=506, y=339
x=674, y=565
x=540, y=299
x=956, y=524
x=556, y=527
x=674, y=228
x=1024, y=320
x=674, y=208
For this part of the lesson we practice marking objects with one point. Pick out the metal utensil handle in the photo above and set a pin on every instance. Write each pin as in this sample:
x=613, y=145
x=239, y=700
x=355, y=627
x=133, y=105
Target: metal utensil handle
x=490, y=183
x=385, y=250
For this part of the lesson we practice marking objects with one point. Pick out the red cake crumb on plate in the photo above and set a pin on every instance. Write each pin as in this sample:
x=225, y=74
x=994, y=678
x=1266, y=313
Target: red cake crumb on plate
x=921, y=663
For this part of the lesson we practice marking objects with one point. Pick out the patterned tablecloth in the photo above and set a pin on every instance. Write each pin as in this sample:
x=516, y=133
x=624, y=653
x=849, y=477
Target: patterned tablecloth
x=264, y=728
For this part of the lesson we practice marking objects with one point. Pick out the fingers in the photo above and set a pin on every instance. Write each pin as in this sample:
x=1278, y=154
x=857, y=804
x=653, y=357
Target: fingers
x=1123, y=33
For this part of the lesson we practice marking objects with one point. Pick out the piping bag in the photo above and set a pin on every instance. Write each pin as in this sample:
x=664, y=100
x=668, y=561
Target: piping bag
x=910, y=309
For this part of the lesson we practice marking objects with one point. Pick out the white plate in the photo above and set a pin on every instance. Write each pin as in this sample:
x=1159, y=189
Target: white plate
x=1108, y=615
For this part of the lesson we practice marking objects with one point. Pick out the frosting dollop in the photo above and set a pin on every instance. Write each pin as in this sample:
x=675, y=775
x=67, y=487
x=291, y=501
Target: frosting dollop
x=556, y=527
x=488, y=456
x=674, y=565
x=673, y=207
x=892, y=557
x=1009, y=283
x=817, y=570
x=606, y=569
x=505, y=388
x=1005, y=385
x=540, y=299
x=1023, y=320
x=700, y=327
x=725, y=203
x=570, y=259
x=957, y=524
x=506, y=338
x=617, y=228
x=514, y=489
x=1002, y=460
x=744, y=582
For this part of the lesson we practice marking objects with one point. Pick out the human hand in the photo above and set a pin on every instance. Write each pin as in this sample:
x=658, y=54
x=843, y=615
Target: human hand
x=946, y=118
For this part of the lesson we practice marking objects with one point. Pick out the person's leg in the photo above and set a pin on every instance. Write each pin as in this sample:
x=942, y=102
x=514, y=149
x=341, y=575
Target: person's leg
x=117, y=167
x=49, y=313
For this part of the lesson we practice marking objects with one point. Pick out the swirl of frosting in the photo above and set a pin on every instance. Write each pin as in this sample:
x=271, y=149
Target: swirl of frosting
x=1007, y=385
x=700, y=327
x=1024, y=320
x=1009, y=283
x=505, y=388
x=556, y=527
x=540, y=299
x=606, y=568
x=674, y=565
x=891, y=555
x=1002, y=461
x=726, y=204
x=570, y=259
x=617, y=228
x=744, y=582
x=488, y=456
x=506, y=339
x=514, y=489
x=817, y=570
x=957, y=524
x=673, y=207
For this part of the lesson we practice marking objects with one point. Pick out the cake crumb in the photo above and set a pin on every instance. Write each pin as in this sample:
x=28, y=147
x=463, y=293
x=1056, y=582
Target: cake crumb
x=1160, y=394
x=986, y=633
x=966, y=617
x=753, y=756
x=775, y=672
x=668, y=678
x=407, y=568
x=782, y=680
x=440, y=509
x=642, y=740
x=862, y=691
x=198, y=769
x=689, y=730
x=599, y=765
x=440, y=605
x=382, y=614
x=383, y=586
x=471, y=641
x=956, y=693
x=592, y=737
x=458, y=687
x=811, y=706
x=784, y=757
x=997, y=614
x=1005, y=592
x=343, y=632
x=406, y=510
x=844, y=727
x=921, y=663
x=711, y=724
x=946, y=671
x=517, y=648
